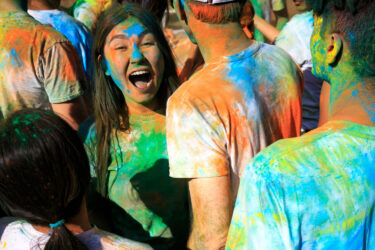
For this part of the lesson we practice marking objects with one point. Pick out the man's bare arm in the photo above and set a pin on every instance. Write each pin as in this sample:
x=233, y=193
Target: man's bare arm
x=73, y=112
x=212, y=207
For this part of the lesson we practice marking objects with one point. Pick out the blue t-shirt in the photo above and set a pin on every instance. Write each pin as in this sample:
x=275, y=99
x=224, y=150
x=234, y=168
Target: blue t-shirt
x=312, y=192
x=77, y=33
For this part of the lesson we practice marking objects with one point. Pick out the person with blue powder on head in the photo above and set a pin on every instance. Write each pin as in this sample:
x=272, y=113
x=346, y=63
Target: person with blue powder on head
x=318, y=191
x=135, y=74
x=47, y=12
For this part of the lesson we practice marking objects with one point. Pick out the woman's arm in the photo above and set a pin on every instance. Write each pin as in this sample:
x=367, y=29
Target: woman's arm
x=265, y=28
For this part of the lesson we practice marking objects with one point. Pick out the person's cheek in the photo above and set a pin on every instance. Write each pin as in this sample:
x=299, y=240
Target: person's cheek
x=116, y=70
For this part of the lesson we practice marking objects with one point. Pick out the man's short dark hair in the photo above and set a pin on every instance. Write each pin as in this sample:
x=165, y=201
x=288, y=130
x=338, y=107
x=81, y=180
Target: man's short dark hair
x=354, y=20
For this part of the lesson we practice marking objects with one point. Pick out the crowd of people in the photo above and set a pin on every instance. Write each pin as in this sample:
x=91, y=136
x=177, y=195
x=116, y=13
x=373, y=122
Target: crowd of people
x=251, y=132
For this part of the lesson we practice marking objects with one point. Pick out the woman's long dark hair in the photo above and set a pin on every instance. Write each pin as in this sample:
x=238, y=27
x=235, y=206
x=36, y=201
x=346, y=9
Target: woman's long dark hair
x=111, y=111
x=44, y=172
x=156, y=7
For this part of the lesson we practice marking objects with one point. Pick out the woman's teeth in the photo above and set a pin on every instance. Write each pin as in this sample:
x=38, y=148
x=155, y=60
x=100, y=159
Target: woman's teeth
x=140, y=78
x=141, y=72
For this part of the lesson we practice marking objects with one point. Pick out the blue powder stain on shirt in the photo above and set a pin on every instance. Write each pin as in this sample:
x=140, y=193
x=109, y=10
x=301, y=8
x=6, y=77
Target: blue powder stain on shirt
x=15, y=59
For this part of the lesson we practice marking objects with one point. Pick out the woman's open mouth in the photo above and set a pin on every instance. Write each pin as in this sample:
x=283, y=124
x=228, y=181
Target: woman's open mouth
x=141, y=78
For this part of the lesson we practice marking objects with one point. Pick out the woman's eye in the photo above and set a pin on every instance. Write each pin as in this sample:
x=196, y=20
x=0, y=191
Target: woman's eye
x=148, y=44
x=121, y=48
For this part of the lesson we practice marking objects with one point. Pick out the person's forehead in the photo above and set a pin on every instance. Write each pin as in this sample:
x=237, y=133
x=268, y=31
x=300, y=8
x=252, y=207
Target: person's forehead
x=128, y=28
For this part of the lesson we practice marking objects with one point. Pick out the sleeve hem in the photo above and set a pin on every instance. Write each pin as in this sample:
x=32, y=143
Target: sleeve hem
x=67, y=98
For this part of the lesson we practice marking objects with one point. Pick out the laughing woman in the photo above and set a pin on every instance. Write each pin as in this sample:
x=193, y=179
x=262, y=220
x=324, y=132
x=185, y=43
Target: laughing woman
x=135, y=75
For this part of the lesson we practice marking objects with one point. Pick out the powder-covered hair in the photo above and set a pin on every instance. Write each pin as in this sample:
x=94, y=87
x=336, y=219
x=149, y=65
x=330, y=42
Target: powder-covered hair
x=216, y=14
x=354, y=20
x=44, y=172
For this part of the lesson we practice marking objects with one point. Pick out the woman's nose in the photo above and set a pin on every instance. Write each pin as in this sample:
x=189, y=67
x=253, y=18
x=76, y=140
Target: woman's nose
x=136, y=56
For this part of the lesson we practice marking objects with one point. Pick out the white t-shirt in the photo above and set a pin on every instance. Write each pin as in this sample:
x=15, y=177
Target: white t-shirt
x=19, y=235
x=294, y=38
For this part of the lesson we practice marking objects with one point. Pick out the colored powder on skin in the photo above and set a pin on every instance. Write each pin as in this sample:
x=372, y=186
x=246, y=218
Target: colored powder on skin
x=136, y=53
x=116, y=81
x=134, y=29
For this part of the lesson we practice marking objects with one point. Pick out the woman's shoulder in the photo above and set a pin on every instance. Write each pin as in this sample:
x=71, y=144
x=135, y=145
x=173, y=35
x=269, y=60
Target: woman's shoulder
x=99, y=239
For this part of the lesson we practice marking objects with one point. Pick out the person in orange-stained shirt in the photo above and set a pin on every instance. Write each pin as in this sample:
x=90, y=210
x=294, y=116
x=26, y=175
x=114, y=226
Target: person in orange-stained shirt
x=247, y=96
x=39, y=67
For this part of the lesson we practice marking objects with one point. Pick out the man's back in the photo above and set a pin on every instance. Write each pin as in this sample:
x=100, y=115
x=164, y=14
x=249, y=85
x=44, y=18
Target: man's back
x=38, y=67
x=230, y=110
x=313, y=192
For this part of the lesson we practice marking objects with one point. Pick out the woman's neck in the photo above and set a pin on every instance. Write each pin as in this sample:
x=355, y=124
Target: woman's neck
x=140, y=109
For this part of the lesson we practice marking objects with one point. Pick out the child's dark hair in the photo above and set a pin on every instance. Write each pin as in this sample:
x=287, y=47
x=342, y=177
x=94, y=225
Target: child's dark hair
x=44, y=172
x=354, y=20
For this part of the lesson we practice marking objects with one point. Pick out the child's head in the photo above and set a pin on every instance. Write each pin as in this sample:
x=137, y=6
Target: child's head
x=44, y=171
x=343, y=21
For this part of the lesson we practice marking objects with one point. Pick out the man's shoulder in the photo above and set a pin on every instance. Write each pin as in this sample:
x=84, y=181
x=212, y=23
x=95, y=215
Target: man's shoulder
x=47, y=36
x=37, y=35
x=271, y=53
x=321, y=146
x=200, y=86
x=260, y=58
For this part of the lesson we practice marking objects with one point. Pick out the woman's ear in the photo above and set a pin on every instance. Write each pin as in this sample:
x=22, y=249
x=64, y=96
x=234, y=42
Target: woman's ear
x=334, y=48
x=101, y=61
